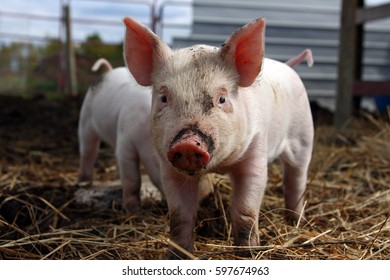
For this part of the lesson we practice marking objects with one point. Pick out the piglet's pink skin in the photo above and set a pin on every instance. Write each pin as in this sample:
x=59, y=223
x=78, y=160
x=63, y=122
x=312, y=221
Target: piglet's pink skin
x=116, y=110
x=306, y=54
x=226, y=110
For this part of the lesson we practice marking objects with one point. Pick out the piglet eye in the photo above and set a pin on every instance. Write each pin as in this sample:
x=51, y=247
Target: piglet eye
x=163, y=98
x=163, y=95
x=221, y=98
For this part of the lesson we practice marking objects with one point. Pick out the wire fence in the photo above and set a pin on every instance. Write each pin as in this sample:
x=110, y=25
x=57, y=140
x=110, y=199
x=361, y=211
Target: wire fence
x=33, y=63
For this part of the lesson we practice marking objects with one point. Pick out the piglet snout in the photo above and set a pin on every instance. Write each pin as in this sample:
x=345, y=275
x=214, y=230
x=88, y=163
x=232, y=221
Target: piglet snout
x=189, y=153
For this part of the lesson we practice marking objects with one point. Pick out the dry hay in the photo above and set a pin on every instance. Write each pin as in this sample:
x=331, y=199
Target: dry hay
x=347, y=208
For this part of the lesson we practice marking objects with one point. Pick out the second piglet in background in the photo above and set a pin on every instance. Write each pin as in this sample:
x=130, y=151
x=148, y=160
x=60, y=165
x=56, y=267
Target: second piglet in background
x=227, y=110
x=116, y=110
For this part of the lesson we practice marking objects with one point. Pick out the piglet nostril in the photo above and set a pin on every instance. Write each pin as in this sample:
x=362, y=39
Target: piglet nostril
x=189, y=154
x=177, y=156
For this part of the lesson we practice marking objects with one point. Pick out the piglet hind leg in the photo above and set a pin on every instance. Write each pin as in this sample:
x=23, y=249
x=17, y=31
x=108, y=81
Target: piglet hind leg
x=89, y=143
x=128, y=163
x=150, y=161
x=295, y=168
x=294, y=186
x=206, y=186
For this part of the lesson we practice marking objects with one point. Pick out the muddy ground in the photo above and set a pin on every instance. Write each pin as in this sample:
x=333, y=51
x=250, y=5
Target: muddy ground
x=347, y=199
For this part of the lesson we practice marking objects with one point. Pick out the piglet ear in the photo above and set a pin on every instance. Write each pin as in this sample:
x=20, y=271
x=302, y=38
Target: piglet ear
x=245, y=50
x=142, y=49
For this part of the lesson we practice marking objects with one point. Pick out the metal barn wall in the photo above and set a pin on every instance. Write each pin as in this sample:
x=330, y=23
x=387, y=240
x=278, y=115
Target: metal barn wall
x=291, y=27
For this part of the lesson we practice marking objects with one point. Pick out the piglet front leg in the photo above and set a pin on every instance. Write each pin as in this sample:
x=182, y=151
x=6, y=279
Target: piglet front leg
x=249, y=179
x=181, y=193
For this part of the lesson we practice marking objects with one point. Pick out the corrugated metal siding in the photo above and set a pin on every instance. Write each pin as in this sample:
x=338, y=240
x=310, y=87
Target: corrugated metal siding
x=291, y=27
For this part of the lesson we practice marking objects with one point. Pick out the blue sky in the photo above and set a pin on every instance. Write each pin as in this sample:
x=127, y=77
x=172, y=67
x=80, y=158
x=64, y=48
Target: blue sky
x=113, y=11
x=109, y=13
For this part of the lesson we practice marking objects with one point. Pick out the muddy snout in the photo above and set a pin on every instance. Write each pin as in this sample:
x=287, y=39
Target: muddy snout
x=190, y=151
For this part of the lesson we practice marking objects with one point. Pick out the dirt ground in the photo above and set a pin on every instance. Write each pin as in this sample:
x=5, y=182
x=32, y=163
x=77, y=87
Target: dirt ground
x=347, y=199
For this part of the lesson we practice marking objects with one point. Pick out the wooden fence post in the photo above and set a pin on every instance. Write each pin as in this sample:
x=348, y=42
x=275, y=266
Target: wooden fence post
x=350, y=57
x=70, y=57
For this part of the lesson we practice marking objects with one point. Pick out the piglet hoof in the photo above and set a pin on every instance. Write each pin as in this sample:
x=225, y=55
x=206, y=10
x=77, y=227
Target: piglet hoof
x=84, y=184
x=293, y=218
x=174, y=254
x=84, y=181
x=131, y=204
x=245, y=253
